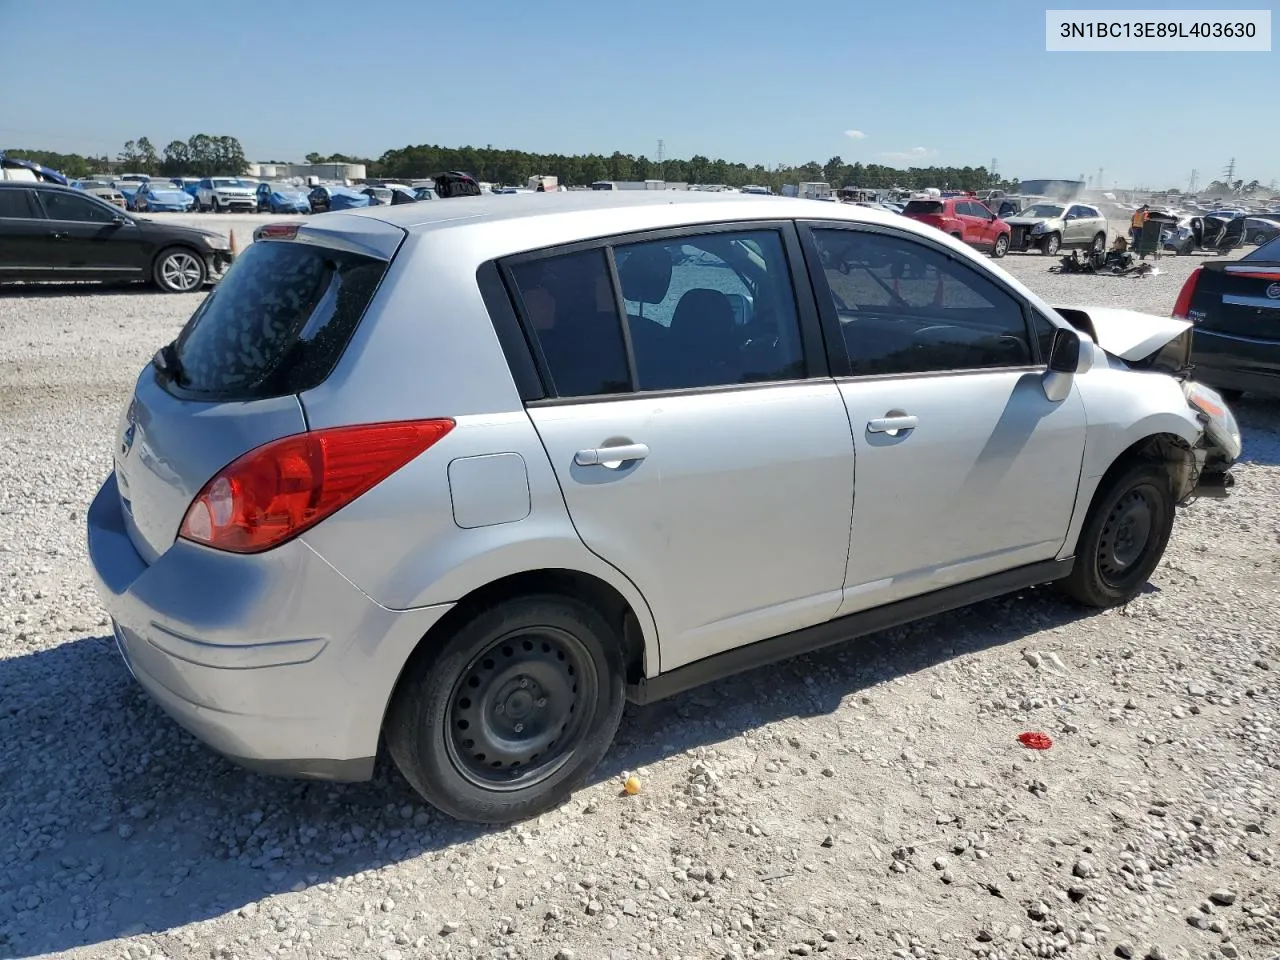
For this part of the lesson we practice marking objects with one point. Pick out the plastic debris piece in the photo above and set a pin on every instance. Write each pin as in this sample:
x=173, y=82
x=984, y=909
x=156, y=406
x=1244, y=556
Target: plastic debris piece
x=631, y=785
x=1035, y=741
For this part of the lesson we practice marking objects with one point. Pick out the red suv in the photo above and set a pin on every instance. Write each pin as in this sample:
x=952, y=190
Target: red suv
x=965, y=219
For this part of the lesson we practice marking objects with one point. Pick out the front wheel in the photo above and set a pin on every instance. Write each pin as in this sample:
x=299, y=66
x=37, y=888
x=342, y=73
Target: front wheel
x=1124, y=537
x=510, y=712
x=1051, y=244
x=179, y=270
x=1099, y=242
x=1001, y=247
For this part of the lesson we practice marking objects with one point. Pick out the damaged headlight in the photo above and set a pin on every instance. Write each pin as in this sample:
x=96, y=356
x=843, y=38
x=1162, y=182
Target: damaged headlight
x=1221, y=426
x=1038, y=228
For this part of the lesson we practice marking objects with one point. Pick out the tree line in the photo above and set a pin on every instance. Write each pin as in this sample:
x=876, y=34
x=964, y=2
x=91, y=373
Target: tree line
x=204, y=155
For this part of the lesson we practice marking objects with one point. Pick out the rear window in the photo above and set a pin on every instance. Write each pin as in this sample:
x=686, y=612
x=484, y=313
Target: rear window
x=923, y=206
x=277, y=322
x=1268, y=251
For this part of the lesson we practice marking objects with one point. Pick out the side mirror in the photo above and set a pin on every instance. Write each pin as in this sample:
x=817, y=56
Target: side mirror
x=1064, y=355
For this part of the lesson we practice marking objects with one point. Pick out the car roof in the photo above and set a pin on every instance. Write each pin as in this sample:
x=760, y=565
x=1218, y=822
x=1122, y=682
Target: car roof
x=626, y=211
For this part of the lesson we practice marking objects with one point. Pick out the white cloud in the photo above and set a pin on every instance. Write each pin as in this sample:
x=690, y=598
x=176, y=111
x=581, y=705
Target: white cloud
x=855, y=135
x=912, y=155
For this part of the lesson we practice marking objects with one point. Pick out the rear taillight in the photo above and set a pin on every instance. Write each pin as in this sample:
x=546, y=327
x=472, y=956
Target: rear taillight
x=282, y=488
x=277, y=231
x=1183, y=304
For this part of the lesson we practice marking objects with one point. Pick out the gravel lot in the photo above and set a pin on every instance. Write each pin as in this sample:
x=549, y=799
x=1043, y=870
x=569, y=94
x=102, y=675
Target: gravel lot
x=868, y=802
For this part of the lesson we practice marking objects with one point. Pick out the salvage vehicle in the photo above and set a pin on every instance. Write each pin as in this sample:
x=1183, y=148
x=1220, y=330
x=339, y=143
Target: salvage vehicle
x=158, y=196
x=1235, y=308
x=645, y=440
x=282, y=198
x=49, y=232
x=224, y=194
x=1050, y=227
x=102, y=190
x=331, y=197
x=966, y=219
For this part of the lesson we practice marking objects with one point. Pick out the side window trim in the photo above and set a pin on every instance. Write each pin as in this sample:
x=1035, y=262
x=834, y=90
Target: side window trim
x=817, y=355
x=497, y=293
x=841, y=363
x=27, y=198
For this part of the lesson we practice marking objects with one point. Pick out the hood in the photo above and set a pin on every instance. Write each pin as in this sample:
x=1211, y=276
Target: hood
x=1022, y=220
x=170, y=196
x=1127, y=334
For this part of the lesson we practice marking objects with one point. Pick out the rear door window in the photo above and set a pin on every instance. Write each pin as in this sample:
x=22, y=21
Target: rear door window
x=277, y=323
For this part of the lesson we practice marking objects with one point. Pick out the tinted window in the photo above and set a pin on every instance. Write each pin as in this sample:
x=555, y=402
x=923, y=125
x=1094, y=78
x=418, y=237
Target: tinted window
x=711, y=310
x=1268, y=251
x=71, y=206
x=277, y=322
x=923, y=206
x=904, y=307
x=568, y=304
x=13, y=204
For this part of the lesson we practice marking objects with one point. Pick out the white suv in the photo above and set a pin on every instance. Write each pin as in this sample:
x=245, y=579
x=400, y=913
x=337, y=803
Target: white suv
x=465, y=475
x=222, y=194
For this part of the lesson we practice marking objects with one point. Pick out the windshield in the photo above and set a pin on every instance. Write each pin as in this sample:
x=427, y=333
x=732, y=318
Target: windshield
x=281, y=188
x=1043, y=210
x=381, y=192
x=923, y=206
x=226, y=182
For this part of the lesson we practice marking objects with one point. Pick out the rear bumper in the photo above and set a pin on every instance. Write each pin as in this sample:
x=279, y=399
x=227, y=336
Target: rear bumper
x=1230, y=362
x=274, y=660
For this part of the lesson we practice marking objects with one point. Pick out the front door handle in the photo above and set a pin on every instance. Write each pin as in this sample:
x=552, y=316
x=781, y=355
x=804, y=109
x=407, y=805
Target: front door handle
x=603, y=456
x=60, y=235
x=892, y=425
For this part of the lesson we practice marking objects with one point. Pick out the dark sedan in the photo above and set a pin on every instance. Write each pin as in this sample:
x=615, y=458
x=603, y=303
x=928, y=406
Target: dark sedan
x=49, y=232
x=1235, y=306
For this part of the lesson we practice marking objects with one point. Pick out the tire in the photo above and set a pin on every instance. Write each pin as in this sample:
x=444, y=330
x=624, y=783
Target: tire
x=1100, y=242
x=179, y=270
x=550, y=659
x=217, y=205
x=1001, y=247
x=1112, y=565
x=1051, y=244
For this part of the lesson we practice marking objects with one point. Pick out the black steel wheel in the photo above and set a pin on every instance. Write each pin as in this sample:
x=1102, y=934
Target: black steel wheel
x=514, y=714
x=1124, y=536
x=509, y=711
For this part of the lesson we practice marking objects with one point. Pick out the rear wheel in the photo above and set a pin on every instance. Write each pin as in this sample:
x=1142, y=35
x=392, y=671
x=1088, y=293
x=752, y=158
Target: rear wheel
x=1124, y=537
x=511, y=711
x=1051, y=244
x=179, y=270
x=1001, y=247
x=1099, y=242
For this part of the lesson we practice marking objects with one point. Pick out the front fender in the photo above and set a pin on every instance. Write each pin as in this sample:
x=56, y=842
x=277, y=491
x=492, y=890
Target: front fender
x=1123, y=408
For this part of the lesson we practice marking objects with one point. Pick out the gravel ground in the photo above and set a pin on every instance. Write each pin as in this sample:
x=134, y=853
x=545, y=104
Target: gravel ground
x=868, y=802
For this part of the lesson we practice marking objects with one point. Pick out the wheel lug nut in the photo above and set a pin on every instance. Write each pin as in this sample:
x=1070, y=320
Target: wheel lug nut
x=498, y=708
x=519, y=728
x=523, y=683
x=542, y=701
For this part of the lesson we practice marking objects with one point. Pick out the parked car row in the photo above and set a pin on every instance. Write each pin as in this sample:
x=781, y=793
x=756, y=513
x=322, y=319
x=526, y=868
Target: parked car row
x=1047, y=227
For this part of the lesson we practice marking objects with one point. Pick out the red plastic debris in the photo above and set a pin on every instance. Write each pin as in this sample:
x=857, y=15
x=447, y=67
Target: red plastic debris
x=1035, y=741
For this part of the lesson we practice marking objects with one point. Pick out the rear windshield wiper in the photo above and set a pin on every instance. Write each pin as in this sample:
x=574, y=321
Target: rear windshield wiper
x=167, y=362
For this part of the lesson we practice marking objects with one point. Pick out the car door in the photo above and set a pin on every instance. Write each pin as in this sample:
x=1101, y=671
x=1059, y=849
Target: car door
x=1075, y=229
x=701, y=447
x=986, y=223
x=964, y=468
x=90, y=237
x=972, y=223
x=24, y=235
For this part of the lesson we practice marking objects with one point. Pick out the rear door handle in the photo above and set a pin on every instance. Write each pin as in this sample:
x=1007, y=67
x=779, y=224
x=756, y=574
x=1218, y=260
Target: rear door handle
x=601, y=456
x=892, y=424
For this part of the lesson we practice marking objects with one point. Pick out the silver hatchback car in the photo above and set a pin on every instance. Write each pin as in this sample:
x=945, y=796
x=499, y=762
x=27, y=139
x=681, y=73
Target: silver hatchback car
x=468, y=475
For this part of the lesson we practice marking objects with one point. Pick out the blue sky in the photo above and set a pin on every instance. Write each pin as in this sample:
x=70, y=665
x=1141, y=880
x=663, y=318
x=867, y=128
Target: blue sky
x=922, y=80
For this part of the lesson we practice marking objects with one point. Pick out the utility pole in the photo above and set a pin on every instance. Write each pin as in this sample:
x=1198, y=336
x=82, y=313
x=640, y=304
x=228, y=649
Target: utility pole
x=1230, y=171
x=1191, y=187
x=662, y=151
x=1101, y=183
